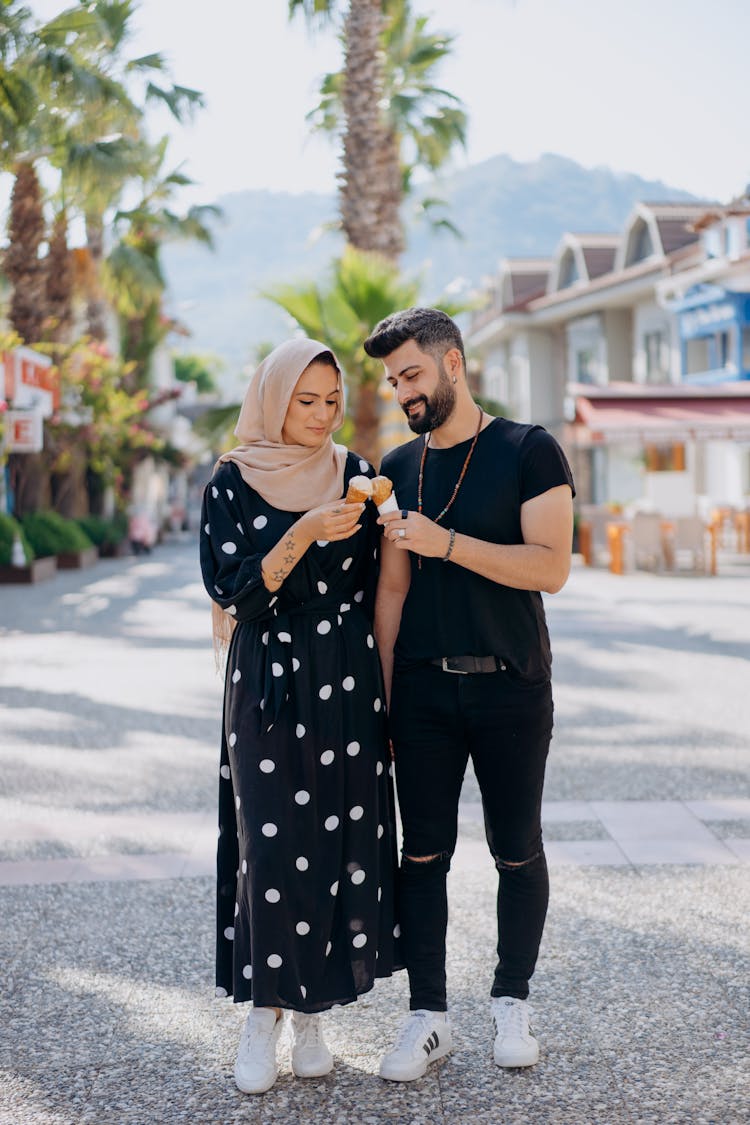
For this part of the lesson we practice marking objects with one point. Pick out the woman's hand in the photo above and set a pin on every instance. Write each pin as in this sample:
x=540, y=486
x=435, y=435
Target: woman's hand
x=332, y=522
x=410, y=531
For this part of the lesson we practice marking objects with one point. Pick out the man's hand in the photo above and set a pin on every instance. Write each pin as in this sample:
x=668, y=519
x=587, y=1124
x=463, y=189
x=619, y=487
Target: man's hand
x=410, y=531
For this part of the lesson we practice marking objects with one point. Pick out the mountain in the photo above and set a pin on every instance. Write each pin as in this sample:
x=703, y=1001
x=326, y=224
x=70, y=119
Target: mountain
x=502, y=207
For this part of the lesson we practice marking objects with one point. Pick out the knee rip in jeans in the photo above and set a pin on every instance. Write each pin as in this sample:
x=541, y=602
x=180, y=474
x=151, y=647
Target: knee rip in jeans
x=508, y=865
x=426, y=858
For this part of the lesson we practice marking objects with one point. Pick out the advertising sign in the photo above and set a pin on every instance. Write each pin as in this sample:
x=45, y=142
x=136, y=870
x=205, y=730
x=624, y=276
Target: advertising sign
x=24, y=431
x=31, y=382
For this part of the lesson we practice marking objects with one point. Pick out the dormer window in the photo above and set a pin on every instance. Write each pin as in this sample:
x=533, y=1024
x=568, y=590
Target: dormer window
x=568, y=271
x=642, y=243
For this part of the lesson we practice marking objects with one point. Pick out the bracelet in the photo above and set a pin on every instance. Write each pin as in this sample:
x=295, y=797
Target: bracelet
x=451, y=545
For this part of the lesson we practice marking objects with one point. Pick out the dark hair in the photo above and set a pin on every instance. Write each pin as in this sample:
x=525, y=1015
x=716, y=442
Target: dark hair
x=328, y=359
x=432, y=330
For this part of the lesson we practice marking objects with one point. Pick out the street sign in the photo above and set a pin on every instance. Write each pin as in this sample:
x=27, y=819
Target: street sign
x=31, y=381
x=24, y=432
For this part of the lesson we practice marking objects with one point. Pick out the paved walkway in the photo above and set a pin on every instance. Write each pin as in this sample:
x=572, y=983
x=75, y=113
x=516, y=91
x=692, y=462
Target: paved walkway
x=108, y=721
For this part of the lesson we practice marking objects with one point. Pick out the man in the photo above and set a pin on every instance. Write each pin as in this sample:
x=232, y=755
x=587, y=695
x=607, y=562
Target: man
x=485, y=524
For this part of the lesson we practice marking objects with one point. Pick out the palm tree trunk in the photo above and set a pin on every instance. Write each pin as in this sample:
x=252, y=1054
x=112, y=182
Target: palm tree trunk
x=366, y=424
x=23, y=266
x=370, y=185
x=96, y=307
x=58, y=282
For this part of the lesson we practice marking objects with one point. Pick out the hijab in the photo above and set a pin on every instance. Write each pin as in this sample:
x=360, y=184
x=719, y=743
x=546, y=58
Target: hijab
x=293, y=478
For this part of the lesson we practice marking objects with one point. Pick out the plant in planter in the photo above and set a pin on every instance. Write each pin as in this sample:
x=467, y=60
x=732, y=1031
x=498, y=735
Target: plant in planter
x=52, y=534
x=110, y=536
x=32, y=569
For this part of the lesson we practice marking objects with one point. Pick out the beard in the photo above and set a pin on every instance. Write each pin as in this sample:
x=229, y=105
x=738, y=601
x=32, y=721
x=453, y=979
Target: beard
x=437, y=408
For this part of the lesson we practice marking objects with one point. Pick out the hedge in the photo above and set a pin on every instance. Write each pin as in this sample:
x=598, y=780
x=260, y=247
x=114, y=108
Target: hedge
x=52, y=534
x=9, y=529
x=105, y=532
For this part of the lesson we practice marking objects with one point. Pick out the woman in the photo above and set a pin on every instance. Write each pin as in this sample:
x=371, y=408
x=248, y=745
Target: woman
x=306, y=855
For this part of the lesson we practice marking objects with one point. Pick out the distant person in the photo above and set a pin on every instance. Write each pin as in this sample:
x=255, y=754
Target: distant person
x=486, y=524
x=307, y=852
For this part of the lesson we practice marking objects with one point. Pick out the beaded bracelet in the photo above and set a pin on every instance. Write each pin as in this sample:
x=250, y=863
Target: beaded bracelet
x=449, y=552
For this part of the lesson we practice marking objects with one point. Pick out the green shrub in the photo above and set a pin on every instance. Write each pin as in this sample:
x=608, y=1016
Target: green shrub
x=52, y=534
x=105, y=532
x=9, y=529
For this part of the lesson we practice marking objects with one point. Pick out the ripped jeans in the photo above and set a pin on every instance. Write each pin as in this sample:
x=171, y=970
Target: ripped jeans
x=437, y=720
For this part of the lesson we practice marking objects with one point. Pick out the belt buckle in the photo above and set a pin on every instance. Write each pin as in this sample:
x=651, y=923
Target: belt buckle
x=455, y=671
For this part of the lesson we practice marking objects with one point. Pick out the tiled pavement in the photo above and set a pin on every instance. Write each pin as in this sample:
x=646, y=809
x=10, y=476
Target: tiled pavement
x=619, y=833
x=108, y=717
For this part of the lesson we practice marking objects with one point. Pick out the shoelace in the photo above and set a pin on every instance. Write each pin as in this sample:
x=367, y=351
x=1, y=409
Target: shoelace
x=256, y=1034
x=510, y=1018
x=412, y=1030
x=307, y=1033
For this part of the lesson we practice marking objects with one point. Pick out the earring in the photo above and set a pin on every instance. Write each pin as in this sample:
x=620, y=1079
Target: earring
x=455, y=380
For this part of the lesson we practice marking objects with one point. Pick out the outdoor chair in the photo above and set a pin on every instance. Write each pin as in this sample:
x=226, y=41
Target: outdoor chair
x=691, y=544
x=647, y=539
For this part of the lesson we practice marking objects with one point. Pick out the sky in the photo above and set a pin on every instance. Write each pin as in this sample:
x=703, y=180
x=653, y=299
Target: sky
x=653, y=87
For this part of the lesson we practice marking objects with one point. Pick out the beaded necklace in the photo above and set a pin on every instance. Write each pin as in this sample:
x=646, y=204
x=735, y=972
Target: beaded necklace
x=459, y=482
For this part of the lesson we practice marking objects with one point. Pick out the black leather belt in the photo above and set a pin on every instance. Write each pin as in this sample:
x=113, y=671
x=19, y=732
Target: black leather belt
x=465, y=665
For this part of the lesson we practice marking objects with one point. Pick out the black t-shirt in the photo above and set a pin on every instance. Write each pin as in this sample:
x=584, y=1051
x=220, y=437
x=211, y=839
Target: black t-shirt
x=450, y=611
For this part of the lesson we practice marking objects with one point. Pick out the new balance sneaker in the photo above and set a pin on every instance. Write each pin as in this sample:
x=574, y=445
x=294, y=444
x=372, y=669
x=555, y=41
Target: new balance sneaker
x=256, y=1069
x=310, y=1055
x=424, y=1037
x=514, y=1043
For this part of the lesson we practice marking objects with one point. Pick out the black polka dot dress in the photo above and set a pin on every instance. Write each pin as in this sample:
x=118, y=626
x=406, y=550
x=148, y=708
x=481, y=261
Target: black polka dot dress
x=307, y=843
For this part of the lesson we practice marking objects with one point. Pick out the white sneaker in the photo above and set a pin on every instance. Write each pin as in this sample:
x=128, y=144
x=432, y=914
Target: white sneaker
x=514, y=1043
x=310, y=1055
x=256, y=1069
x=424, y=1037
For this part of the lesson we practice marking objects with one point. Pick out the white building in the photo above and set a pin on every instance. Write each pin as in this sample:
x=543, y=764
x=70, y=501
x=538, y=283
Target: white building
x=642, y=374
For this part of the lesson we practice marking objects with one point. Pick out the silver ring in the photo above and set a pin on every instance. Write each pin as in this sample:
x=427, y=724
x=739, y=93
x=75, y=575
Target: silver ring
x=401, y=532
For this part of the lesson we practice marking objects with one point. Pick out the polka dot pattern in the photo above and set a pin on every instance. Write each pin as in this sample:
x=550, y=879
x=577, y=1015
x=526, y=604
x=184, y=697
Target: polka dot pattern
x=311, y=787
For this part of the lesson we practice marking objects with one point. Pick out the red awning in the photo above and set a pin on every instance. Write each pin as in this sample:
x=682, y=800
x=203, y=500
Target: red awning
x=611, y=420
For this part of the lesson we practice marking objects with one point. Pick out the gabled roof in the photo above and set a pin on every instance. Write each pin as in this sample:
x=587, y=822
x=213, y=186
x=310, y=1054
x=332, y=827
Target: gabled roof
x=668, y=226
x=522, y=279
x=587, y=256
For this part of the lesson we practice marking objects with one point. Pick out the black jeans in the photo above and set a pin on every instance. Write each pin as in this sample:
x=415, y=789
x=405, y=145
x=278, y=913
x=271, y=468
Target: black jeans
x=437, y=720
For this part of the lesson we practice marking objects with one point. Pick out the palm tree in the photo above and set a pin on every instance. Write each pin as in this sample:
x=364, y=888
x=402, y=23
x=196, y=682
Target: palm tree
x=42, y=73
x=362, y=289
x=422, y=122
x=133, y=275
x=103, y=148
x=369, y=180
x=391, y=119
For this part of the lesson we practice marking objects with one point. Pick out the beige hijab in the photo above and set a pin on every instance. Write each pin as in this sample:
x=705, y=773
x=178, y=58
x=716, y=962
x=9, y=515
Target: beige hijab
x=293, y=478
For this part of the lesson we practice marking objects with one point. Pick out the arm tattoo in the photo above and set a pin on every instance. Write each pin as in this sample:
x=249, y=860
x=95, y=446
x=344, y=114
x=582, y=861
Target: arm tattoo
x=290, y=558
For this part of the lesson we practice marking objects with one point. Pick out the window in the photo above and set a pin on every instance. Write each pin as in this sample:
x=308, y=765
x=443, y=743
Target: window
x=713, y=242
x=641, y=243
x=568, y=270
x=697, y=356
x=665, y=458
x=745, y=351
x=585, y=366
x=657, y=368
